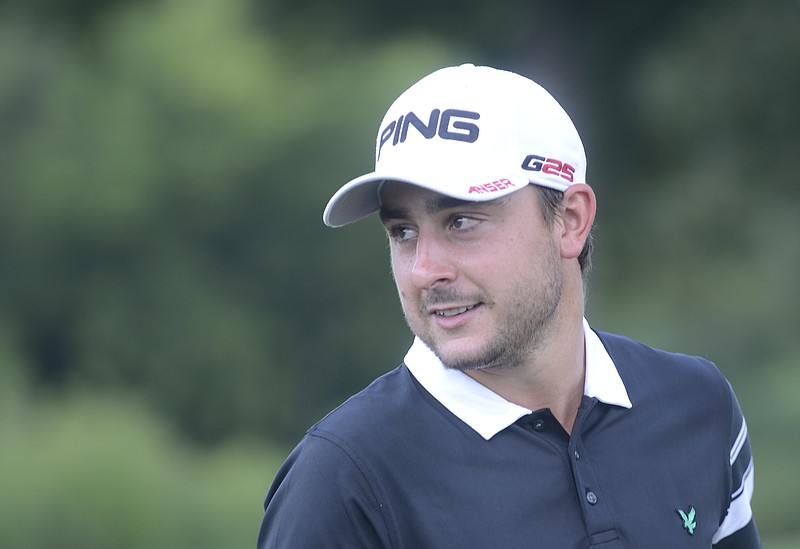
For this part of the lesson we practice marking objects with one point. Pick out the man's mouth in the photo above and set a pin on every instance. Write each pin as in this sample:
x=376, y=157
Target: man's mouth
x=455, y=311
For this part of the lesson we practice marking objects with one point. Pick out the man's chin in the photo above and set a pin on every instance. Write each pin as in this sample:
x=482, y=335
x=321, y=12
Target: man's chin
x=464, y=360
x=500, y=356
x=463, y=353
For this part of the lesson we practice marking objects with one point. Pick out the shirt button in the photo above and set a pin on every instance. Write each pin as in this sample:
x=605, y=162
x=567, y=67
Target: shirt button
x=538, y=425
x=591, y=497
x=577, y=455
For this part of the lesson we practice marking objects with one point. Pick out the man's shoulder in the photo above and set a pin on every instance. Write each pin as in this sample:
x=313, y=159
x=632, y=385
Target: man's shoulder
x=331, y=483
x=624, y=349
x=367, y=432
x=642, y=366
x=371, y=411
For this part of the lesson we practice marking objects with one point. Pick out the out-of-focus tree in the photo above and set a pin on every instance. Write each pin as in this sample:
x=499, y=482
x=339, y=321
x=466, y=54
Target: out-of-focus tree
x=160, y=212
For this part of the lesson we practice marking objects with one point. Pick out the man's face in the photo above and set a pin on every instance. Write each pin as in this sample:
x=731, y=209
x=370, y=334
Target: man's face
x=479, y=282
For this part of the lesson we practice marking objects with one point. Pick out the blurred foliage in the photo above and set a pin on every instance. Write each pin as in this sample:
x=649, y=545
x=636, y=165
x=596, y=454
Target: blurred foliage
x=165, y=275
x=158, y=192
x=99, y=471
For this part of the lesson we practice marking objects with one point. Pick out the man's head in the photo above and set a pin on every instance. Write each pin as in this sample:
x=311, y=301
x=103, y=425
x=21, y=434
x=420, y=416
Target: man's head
x=485, y=284
x=479, y=178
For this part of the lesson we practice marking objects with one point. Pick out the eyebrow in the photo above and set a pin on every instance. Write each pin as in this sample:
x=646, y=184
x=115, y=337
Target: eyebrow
x=432, y=205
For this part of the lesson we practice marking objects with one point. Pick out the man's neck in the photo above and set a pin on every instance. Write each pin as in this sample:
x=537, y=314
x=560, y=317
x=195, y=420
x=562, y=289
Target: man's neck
x=553, y=378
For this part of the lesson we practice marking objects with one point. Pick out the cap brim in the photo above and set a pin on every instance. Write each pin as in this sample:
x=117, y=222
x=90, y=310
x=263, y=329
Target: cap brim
x=360, y=197
x=356, y=200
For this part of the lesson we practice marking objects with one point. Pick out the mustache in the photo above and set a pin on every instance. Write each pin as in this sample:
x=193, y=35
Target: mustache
x=447, y=296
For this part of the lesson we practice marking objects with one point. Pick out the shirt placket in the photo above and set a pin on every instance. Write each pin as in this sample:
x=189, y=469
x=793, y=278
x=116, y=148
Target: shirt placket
x=600, y=525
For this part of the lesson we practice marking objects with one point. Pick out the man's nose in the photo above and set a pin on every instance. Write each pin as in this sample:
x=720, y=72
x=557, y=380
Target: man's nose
x=433, y=263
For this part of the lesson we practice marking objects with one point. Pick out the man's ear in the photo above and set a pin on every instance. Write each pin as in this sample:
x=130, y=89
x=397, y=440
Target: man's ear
x=578, y=209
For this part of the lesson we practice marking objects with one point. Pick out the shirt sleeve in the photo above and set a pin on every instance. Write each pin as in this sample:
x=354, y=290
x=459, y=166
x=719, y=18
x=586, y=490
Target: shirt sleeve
x=322, y=498
x=738, y=528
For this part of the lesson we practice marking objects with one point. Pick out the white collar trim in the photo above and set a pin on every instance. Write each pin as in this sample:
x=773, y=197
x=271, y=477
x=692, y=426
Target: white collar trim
x=487, y=412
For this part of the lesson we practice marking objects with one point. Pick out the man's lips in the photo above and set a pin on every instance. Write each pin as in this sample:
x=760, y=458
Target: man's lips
x=454, y=311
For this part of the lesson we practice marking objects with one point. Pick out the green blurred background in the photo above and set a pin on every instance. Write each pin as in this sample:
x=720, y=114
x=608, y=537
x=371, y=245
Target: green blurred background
x=174, y=314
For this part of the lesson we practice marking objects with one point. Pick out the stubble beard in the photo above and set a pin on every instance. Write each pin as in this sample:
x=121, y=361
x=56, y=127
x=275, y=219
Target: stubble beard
x=521, y=330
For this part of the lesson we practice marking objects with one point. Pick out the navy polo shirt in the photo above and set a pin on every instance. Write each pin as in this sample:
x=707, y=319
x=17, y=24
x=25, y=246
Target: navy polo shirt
x=426, y=457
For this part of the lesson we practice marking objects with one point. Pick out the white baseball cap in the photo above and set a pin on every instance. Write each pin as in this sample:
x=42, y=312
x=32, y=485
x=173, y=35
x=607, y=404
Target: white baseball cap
x=472, y=133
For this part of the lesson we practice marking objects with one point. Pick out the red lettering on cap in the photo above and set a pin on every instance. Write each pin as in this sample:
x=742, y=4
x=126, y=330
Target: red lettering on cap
x=493, y=187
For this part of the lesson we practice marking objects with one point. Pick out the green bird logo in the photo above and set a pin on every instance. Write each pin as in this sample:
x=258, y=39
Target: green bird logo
x=688, y=520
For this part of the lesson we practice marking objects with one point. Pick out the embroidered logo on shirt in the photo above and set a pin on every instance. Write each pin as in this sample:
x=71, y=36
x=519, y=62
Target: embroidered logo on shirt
x=688, y=520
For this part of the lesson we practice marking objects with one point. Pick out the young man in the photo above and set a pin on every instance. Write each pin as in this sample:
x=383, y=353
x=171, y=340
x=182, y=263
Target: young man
x=511, y=423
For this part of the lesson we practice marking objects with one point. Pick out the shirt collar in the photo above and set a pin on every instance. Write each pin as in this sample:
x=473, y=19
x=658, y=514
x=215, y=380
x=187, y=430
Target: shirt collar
x=487, y=412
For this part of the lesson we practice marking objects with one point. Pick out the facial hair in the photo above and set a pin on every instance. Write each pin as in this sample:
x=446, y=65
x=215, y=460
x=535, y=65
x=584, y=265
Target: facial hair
x=522, y=325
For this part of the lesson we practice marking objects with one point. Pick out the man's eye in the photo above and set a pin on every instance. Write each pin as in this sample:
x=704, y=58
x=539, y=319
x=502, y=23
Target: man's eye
x=402, y=233
x=461, y=223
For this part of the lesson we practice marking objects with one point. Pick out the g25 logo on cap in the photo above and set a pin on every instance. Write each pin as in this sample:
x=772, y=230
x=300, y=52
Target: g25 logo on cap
x=549, y=166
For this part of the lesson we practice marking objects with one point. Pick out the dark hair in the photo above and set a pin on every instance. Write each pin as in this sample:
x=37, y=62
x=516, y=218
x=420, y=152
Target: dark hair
x=550, y=199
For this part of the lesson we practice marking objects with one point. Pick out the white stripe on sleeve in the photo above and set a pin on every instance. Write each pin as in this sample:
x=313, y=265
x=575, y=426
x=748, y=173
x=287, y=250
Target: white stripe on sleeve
x=739, y=442
x=739, y=512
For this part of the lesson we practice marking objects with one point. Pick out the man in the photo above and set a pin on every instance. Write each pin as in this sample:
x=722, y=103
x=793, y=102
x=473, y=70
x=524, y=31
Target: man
x=511, y=423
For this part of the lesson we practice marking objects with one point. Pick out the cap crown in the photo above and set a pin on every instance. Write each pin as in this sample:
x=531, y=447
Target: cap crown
x=474, y=133
x=480, y=123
